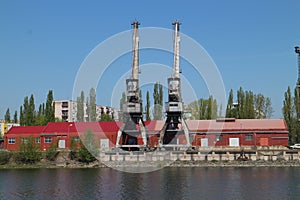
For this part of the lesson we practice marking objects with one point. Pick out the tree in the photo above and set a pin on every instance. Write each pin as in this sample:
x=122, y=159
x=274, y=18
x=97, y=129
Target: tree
x=22, y=121
x=249, y=106
x=204, y=109
x=16, y=117
x=289, y=115
x=25, y=111
x=30, y=113
x=230, y=110
x=80, y=107
x=92, y=105
x=106, y=118
x=7, y=116
x=49, y=110
x=158, y=101
x=241, y=103
x=148, y=106
x=268, y=110
x=88, y=149
x=259, y=101
x=29, y=152
x=122, y=102
x=249, y=111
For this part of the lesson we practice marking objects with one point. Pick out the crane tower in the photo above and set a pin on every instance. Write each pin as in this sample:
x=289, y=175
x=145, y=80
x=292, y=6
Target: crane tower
x=175, y=123
x=134, y=125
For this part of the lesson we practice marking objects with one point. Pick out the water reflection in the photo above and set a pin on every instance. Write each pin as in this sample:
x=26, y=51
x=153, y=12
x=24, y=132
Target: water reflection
x=168, y=183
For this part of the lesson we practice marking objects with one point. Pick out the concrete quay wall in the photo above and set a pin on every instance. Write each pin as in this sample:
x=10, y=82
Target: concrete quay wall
x=216, y=155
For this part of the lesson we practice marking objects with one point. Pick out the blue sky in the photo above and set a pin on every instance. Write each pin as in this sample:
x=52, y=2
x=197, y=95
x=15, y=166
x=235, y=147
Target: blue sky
x=43, y=43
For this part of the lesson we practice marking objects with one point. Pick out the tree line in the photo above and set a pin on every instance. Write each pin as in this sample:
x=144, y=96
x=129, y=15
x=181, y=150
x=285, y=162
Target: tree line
x=248, y=105
x=29, y=116
x=86, y=108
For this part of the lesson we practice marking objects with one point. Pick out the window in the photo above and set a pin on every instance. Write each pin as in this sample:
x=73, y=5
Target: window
x=219, y=138
x=37, y=140
x=248, y=138
x=24, y=140
x=11, y=140
x=48, y=140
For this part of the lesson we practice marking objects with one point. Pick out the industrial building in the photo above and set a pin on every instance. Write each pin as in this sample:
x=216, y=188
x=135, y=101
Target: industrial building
x=204, y=133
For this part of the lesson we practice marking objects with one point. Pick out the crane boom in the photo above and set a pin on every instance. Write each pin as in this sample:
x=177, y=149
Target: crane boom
x=135, y=55
x=176, y=49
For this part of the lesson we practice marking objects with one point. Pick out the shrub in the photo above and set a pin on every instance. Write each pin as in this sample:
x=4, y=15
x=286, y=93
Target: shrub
x=51, y=153
x=88, y=148
x=4, y=157
x=29, y=153
x=73, y=147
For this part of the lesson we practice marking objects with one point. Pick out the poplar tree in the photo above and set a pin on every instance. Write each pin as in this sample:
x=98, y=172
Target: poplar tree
x=80, y=107
x=288, y=113
x=22, y=121
x=230, y=111
x=92, y=105
x=49, y=110
x=158, y=100
x=148, y=106
x=122, y=102
x=30, y=113
x=7, y=116
x=25, y=111
x=16, y=117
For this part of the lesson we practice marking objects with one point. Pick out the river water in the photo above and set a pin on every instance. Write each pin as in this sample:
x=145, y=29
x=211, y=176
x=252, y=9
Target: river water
x=167, y=183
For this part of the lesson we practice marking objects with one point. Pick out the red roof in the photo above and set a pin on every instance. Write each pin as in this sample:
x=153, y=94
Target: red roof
x=238, y=125
x=69, y=127
x=233, y=125
x=25, y=129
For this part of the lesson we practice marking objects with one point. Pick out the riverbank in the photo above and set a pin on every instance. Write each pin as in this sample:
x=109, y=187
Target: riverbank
x=175, y=164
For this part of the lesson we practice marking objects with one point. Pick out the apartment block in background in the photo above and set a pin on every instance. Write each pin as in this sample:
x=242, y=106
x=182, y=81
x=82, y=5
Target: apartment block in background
x=66, y=110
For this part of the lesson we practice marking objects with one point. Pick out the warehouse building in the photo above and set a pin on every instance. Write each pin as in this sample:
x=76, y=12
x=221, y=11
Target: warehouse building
x=204, y=133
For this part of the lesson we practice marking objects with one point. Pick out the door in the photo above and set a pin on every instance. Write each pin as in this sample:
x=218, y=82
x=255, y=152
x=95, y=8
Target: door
x=234, y=142
x=62, y=144
x=104, y=143
x=204, y=142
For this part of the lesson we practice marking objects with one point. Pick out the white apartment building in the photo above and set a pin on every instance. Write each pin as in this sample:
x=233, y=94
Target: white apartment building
x=66, y=110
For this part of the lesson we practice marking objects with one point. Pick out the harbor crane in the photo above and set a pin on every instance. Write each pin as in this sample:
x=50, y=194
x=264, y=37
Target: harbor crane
x=134, y=125
x=175, y=123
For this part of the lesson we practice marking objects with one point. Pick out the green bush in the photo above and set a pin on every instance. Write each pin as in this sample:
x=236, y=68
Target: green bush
x=4, y=157
x=28, y=153
x=88, y=148
x=84, y=155
x=74, y=150
x=51, y=153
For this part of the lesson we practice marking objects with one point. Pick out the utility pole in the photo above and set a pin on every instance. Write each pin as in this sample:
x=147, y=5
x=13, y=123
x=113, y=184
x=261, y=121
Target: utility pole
x=127, y=138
